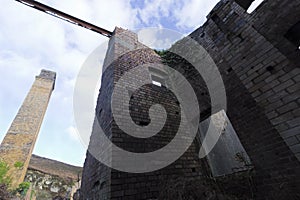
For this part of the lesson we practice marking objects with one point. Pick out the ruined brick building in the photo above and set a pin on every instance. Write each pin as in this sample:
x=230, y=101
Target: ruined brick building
x=257, y=55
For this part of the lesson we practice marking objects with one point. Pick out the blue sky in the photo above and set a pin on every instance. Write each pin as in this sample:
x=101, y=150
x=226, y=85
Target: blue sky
x=31, y=40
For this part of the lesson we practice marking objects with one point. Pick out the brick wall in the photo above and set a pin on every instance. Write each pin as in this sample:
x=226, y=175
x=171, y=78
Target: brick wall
x=260, y=71
x=101, y=182
x=262, y=85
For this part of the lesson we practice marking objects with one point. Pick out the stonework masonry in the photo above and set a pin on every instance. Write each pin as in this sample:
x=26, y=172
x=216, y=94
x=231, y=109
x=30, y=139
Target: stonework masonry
x=258, y=56
x=18, y=144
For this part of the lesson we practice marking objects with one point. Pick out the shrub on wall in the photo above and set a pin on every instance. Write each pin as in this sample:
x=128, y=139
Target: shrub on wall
x=19, y=165
x=23, y=188
x=4, y=179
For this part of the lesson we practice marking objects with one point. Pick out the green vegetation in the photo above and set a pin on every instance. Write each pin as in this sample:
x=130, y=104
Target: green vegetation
x=23, y=188
x=169, y=58
x=32, y=194
x=160, y=52
x=19, y=165
x=4, y=179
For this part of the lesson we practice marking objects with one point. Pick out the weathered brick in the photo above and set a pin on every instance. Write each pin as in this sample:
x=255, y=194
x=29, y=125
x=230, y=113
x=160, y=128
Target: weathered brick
x=294, y=122
x=24, y=130
x=297, y=78
x=285, y=77
x=295, y=71
x=294, y=88
x=296, y=112
x=282, y=118
x=277, y=96
x=272, y=114
x=265, y=95
x=256, y=93
x=291, y=140
x=287, y=107
x=283, y=85
x=298, y=156
x=274, y=105
x=262, y=77
x=290, y=98
x=296, y=148
x=291, y=132
x=282, y=127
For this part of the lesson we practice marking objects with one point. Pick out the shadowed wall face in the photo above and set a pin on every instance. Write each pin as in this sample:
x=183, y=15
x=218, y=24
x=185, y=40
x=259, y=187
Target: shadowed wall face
x=102, y=182
x=261, y=76
x=260, y=71
x=17, y=146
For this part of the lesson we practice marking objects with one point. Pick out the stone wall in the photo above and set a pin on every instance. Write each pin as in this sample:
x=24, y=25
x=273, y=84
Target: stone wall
x=51, y=179
x=17, y=145
x=47, y=186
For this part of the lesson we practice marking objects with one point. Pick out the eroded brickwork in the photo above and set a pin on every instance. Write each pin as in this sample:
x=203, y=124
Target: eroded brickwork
x=260, y=70
x=101, y=182
x=255, y=47
x=18, y=144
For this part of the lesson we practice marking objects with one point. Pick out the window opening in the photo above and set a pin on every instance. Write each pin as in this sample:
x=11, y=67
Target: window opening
x=244, y=3
x=254, y=5
x=228, y=155
x=157, y=77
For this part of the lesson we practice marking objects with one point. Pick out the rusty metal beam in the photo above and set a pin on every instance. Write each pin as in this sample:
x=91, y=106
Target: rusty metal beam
x=61, y=15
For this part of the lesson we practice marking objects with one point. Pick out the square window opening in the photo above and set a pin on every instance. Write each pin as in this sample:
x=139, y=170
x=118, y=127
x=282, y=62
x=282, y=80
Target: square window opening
x=158, y=81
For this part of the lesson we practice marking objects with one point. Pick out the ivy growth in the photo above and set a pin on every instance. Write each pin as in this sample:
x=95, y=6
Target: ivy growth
x=160, y=52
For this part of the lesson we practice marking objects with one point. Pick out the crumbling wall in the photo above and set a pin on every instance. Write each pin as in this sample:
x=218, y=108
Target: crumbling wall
x=99, y=181
x=48, y=187
x=260, y=71
x=262, y=87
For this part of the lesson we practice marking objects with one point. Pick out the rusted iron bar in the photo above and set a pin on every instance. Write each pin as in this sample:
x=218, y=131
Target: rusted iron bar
x=61, y=15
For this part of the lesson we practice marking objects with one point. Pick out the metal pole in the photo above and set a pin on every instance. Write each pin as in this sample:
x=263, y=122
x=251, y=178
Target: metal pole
x=61, y=15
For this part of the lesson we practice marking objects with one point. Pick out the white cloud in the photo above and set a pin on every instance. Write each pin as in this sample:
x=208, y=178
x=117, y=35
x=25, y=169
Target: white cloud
x=155, y=9
x=158, y=38
x=185, y=14
x=193, y=13
x=73, y=133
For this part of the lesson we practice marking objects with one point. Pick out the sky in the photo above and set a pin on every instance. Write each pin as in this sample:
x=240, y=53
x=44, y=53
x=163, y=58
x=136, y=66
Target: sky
x=31, y=40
